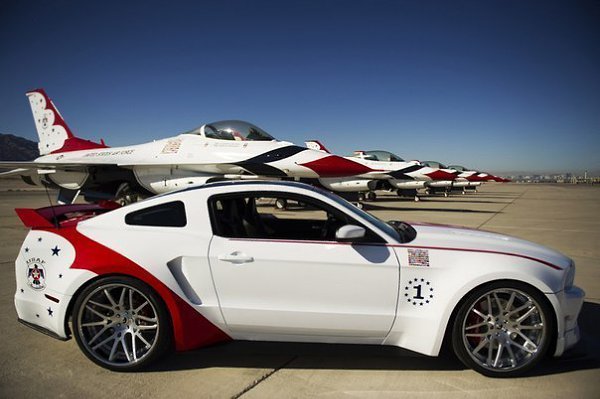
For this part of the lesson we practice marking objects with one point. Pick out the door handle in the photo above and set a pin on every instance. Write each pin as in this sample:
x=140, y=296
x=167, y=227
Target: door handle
x=236, y=257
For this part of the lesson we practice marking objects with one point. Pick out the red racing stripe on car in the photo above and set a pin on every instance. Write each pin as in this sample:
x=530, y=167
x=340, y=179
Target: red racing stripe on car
x=485, y=251
x=401, y=246
x=190, y=329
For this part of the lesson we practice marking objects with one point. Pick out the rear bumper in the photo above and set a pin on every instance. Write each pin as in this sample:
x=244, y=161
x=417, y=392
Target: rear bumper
x=42, y=330
x=35, y=310
x=569, y=305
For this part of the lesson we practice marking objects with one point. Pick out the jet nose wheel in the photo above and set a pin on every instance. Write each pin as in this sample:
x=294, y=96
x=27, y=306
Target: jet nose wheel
x=126, y=195
x=281, y=203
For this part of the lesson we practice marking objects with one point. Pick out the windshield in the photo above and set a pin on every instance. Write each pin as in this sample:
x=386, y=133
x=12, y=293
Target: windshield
x=236, y=131
x=380, y=224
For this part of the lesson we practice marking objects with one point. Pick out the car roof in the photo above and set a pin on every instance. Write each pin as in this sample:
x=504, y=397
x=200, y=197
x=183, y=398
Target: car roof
x=236, y=183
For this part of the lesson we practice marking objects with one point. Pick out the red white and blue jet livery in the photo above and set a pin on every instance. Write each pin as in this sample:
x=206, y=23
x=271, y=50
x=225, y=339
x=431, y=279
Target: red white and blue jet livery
x=389, y=171
x=476, y=176
x=214, y=151
x=218, y=262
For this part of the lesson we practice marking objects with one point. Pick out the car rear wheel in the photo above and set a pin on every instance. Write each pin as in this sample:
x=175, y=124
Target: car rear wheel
x=503, y=329
x=120, y=323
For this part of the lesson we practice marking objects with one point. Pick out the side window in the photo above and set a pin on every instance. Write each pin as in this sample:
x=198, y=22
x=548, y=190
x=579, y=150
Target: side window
x=278, y=216
x=171, y=214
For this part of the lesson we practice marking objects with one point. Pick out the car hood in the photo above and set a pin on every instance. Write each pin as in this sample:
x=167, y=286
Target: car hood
x=462, y=238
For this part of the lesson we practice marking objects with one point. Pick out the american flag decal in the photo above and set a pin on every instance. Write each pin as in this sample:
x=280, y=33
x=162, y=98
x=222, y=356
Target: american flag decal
x=418, y=257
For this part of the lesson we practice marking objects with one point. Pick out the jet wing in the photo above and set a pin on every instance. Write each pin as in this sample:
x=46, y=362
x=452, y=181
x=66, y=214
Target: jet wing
x=17, y=172
x=40, y=168
x=43, y=165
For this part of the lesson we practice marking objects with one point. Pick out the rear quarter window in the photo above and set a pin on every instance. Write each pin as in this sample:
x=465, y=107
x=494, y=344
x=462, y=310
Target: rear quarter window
x=171, y=214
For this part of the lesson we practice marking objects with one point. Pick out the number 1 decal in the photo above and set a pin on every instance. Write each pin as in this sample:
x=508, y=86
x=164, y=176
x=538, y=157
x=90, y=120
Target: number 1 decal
x=418, y=291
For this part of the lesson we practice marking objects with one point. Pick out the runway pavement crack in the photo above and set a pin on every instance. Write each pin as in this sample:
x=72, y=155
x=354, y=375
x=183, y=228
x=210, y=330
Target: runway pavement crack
x=264, y=377
x=503, y=208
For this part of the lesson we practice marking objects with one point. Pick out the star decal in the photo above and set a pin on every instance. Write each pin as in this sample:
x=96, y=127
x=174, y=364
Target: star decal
x=26, y=249
x=22, y=290
x=413, y=292
x=60, y=275
x=50, y=311
x=40, y=239
x=55, y=250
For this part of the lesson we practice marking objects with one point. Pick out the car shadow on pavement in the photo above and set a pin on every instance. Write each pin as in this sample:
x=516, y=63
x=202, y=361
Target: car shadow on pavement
x=275, y=355
x=586, y=354
x=305, y=356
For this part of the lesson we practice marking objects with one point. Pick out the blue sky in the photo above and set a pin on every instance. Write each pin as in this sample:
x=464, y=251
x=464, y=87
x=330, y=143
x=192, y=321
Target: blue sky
x=495, y=85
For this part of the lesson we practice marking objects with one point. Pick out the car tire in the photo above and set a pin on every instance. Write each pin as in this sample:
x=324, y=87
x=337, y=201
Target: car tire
x=121, y=324
x=503, y=329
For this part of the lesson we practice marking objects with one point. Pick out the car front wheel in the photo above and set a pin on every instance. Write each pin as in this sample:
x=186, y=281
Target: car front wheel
x=120, y=323
x=503, y=329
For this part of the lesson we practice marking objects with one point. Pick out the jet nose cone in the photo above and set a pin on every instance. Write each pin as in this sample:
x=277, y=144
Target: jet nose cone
x=335, y=166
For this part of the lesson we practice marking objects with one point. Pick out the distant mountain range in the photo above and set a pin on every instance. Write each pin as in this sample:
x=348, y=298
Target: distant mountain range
x=14, y=148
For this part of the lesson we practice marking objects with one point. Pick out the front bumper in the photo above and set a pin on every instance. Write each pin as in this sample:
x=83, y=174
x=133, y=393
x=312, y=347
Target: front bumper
x=569, y=303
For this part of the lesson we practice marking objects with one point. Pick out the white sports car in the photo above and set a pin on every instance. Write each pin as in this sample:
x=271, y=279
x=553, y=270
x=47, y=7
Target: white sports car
x=220, y=262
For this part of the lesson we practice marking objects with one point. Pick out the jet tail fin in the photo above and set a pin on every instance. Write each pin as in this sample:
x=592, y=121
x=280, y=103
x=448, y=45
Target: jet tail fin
x=54, y=134
x=316, y=145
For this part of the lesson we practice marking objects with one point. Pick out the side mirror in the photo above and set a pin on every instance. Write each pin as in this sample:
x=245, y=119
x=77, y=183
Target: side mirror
x=349, y=232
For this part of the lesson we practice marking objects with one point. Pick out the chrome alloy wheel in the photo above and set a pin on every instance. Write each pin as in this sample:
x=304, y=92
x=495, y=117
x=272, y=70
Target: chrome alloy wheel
x=117, y=324
x=504, y=329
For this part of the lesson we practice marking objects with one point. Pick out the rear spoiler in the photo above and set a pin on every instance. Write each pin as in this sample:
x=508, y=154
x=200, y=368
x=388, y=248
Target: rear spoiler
x=62, y=215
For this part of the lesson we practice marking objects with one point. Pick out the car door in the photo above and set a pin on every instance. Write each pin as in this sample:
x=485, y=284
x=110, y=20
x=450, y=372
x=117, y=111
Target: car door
x=288, y=277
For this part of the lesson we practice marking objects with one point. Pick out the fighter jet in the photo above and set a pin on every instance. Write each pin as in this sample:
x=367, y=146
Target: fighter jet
x=389, y=171
x=444, y=187
x=214, y=151
x=465, y=178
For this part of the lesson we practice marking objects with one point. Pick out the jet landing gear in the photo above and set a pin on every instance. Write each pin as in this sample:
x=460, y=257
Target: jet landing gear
x=364, y=197
x=281, y=204
x=127, y=195
x=437, y=190
x=404, y=193
x=368, y=196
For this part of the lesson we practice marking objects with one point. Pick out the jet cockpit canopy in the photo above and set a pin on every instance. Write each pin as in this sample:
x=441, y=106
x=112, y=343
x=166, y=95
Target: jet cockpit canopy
x=384, y=156
x=233, y=130
x=434, y=164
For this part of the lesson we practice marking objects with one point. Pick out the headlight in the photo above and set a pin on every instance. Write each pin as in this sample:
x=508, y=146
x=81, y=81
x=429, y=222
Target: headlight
x=570, y=276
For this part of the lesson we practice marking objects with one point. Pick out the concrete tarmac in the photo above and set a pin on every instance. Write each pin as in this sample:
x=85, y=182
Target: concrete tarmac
x=563, y=217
